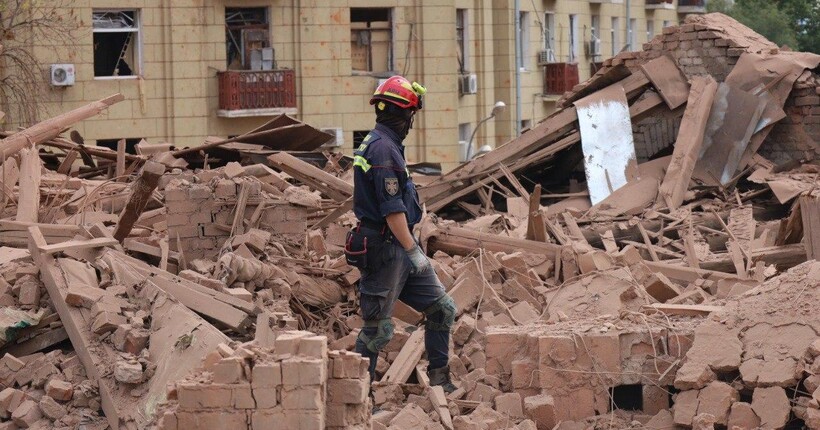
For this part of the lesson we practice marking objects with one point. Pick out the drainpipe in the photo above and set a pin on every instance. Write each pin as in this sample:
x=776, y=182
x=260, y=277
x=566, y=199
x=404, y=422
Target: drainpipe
x=518, y=55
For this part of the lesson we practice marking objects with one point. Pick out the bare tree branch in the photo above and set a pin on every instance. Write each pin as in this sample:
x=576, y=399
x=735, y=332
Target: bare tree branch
x=24, y=25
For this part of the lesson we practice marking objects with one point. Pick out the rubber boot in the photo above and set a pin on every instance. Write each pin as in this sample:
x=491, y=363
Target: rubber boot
x=441, y=376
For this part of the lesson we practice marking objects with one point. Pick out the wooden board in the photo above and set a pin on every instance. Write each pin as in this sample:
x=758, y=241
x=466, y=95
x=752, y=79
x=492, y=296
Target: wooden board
x=685, y=310
x=810, y=211
x=668, y=79
x=406, y=361
x=690, y=139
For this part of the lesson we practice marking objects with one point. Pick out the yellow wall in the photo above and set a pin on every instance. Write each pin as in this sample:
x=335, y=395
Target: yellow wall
x=183, y=47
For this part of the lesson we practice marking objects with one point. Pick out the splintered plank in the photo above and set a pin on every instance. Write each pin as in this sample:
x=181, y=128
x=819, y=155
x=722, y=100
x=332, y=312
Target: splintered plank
x=810, y=210
x=309, y=174
x=406, y=361
x=140, y=194
x=668, y=79
x=78, y=244
x=28, y=201
x=536, y=228
x=683, y=310
x=689, y=141
x=75, y=323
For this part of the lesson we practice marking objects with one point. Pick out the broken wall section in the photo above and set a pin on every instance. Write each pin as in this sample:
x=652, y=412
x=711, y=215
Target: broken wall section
x=574, y=370
x=296, y=384
x=712, y=45
x=202, y=213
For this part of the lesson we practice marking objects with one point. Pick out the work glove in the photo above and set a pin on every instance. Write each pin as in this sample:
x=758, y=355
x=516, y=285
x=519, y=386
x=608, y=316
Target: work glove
x=418, y=260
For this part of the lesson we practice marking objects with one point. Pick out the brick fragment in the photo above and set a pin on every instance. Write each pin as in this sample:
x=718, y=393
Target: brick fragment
x=61, y=391
x=772, y=406
x=541, y=409
x=347, y=391
x=510, y=404
x=229, y=371
x=51, y=409
x=26, y=414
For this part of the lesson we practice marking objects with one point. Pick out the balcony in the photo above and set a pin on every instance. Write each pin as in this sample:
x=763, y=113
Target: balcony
x=560, y=77
x=660, y=4
x=691, y=6
x=244, y=93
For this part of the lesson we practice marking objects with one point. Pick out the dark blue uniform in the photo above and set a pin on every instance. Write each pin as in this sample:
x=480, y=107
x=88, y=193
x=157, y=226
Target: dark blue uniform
x=382, y=186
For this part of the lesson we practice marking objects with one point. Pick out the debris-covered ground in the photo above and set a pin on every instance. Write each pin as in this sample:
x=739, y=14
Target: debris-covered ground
x=646, y=257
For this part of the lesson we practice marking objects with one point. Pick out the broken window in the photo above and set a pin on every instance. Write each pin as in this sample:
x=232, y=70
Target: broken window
x=573, y=38
x=247, y=39
x=461, y=40
x=523, y=39
x=117, y=43
x=358, y=137
x=371, y=39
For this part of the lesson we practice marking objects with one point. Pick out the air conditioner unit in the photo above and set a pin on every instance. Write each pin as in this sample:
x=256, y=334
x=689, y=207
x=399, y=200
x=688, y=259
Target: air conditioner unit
x=339, y=138
x=594, y=47
x=62, y=75
x=468, y=84
x=546, y=56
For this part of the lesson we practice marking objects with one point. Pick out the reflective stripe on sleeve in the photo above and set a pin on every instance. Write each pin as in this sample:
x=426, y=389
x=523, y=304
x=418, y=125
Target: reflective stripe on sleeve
x=360, y=161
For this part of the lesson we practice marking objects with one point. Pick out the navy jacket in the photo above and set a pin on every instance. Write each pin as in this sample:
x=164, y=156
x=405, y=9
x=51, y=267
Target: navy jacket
x=382, y=183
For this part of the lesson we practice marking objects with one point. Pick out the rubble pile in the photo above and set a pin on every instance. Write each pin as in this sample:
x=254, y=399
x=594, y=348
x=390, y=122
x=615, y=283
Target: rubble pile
x=296, y=383
x=643, y=258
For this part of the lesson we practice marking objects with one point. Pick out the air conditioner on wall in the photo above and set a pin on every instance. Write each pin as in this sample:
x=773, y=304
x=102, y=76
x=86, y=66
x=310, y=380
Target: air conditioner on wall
x=62, y=75
x=339, y=137
x=468, y=84
x=594, y=47
x=546, y=56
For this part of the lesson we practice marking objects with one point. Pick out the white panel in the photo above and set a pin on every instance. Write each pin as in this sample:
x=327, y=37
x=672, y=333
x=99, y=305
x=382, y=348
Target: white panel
x=606, y=140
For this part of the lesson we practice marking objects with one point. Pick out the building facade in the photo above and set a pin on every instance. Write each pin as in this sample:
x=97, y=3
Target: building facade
x=196, y=68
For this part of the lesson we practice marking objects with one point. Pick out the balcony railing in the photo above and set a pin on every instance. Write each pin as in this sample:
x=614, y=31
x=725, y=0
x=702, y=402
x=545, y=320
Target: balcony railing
x=660, y=4
x=560, y=77
x=256, y=92
x=691, y=6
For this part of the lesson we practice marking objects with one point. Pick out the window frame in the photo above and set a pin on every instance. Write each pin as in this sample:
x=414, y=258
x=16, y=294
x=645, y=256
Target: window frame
x=390, y=30
x=463, y=39
x=524, y=39
x=573, y=39
x=138, y=51
x=614, y=33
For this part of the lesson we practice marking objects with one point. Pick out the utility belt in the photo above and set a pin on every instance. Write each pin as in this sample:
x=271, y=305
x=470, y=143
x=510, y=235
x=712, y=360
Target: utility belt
x=369, y=245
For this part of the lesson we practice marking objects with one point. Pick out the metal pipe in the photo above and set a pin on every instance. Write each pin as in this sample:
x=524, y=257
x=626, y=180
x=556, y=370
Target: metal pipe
x=518, y=55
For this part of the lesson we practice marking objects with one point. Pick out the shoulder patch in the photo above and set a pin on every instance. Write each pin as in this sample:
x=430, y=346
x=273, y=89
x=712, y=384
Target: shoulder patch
x=391, y=186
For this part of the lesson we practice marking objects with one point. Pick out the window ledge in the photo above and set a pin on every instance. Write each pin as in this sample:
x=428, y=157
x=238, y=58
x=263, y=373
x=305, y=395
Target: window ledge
x=114, y=78
x=551, y=98
x=380, y=75
x=242, y=113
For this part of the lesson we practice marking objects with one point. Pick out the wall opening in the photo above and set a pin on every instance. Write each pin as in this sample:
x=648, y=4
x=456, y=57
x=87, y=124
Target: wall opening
x=247, y=39
x=371, y=39
x=627, y=397
x=358, y=137
x=117, y=43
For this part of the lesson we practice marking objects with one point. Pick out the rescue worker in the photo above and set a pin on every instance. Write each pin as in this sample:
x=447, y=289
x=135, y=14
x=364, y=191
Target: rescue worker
x=387, y=207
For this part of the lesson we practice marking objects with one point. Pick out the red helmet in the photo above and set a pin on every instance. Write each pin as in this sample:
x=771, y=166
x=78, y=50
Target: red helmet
x=400, y=92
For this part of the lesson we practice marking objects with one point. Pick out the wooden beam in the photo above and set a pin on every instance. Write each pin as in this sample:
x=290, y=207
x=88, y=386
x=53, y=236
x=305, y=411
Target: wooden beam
x=406, y=361
x=68, y=161
x=459, y=240
x=333, y=187
x=536, y=228
x=28, y=201
x=77, y=244
x=141, y=192
x=75, y=324
x=119, y=172
x=689, y=141
x=810, y=212
x=648, y=243
x=683, y=310
x=50, y=128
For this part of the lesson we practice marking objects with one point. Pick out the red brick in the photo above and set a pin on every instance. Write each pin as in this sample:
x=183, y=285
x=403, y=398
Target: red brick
x=26, y=414
x=305, y=398
x=510, y=404
x=349, y=391
x=541, y=409
x=61, y=391
x=266, y=375
x=266, y=419
x=266, y=397
x=195, y=396
x=212, y=420
x=242, y=397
